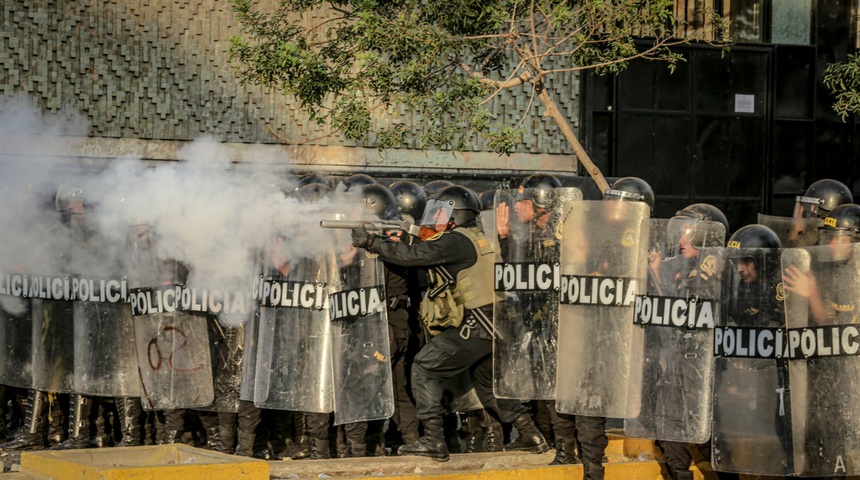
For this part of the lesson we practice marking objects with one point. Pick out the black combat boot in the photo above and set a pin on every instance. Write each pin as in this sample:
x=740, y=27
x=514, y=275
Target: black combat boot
x=301, y=446
x=227, y=432
x=432, y=444
x=34, y=431
x=565, y=452
x=410, y=438
x=245, y=444
x=452, y=432
x=529, y=438
x=174, y=427
x=100, y=425
x=595, y=471
x=213, y=437
x=57, y=420
x=170, y=437
x=356, y=449
x=320, y=449
x=490, y=444
x=128, y=412
x=681, y=474
x=492, y=430
x=340, y=446
x=80, y=408
x=471, y=428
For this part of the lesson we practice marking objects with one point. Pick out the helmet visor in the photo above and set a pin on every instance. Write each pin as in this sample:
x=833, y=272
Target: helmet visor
x=808, y=207
x=827, y=236
x=623, y=195
x=69, y=199
x=437, y=213
x=695, y=232
x=682, y=230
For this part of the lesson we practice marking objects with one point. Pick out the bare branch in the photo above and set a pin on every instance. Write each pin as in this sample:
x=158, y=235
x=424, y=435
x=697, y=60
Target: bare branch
x=500, y=84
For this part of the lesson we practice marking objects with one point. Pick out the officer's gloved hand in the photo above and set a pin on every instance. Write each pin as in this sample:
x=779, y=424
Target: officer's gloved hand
x=361, y=237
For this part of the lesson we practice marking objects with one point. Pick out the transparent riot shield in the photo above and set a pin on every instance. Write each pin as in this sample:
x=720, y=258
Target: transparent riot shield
x=525, y=312
x=293, y=365
x=173, y=353
x=792, y=232
x=822, y=285
x=16, y=340
x=361, y=358
x=105, y=331
x=752, y=399
x=172, y=345
x=103, y=325
x=676, y=319
x=250, y=336
x=487, y=223
x=227, y=344
x=53, y=345
x=249, y=357
x=603, y=261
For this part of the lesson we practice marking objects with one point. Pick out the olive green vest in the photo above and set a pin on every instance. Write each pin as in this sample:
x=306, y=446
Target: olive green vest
x=474, y=287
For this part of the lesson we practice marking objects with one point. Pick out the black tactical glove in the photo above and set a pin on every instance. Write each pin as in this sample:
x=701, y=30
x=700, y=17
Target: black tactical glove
x=361, y=238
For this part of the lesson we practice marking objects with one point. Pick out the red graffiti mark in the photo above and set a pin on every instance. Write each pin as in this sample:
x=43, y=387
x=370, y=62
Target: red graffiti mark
x=160, y=359
x=181, y=346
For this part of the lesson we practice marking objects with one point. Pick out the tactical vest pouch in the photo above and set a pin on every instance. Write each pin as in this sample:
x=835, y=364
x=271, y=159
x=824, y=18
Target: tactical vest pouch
x=439, y=311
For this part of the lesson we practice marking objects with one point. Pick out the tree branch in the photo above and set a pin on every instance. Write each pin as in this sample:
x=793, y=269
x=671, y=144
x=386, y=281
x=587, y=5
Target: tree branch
x=500, y=84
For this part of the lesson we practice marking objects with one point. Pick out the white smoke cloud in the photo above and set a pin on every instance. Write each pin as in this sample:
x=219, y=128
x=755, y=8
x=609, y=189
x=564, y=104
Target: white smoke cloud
x=206, y=213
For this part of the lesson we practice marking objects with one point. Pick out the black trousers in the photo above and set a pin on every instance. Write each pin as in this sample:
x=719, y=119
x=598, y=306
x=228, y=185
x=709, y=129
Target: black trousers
x=403, y=349
x=449, y=354
x=589, y=431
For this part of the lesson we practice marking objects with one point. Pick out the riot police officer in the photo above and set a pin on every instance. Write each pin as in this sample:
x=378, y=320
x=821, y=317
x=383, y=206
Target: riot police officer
x=821, y=198
x=533, y=315
x=753, y=276
x=411, y=198
x=354, y=183
x=312, y=179
x=380, y=202
x=459, y=252
x=590, y=431
x=687, y=273
x=433, y=186
x=830, y=288
x=751, y=395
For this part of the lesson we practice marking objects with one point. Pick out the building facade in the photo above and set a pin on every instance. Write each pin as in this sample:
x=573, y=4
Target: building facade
x=746, y=130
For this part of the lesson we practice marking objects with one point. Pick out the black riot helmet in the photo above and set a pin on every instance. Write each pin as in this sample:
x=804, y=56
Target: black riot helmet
x=741, y=251
x=410, y=198
x=312, y=178
x=754, y=236
x=822, y=197
x=69, y=199
x=379, y=201
x=312, y=192
x=631, y=189
x=704, y=211
x=488, y=199
x=687, y=223
x=844, y=220
x=538, y=188
x=461, y=204
x=431, y=188
x=354, y=182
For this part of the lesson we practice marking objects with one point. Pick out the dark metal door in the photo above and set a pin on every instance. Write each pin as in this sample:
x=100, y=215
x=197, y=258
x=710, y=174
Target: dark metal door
x=698, y=134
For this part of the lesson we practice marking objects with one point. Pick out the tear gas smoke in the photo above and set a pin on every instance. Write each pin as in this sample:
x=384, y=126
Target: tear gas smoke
x=206, y=214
